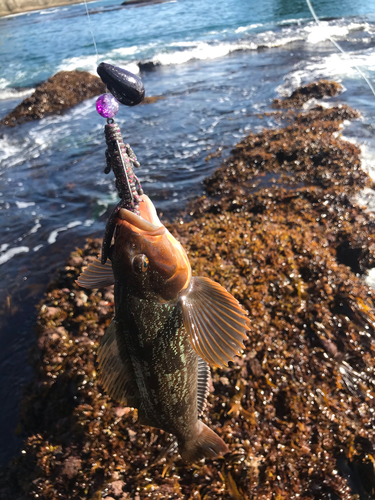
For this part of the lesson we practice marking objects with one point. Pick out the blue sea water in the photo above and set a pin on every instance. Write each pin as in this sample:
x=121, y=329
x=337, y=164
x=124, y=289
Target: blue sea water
x=218, y=65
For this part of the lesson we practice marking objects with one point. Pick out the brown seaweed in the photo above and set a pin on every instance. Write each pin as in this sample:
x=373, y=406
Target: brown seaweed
x=280, y=229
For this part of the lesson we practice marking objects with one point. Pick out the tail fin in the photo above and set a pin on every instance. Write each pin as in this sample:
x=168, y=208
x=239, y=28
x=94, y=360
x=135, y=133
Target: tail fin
x=204, y=444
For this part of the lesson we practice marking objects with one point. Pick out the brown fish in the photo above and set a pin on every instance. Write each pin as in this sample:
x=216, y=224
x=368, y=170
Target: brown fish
x=168, y=327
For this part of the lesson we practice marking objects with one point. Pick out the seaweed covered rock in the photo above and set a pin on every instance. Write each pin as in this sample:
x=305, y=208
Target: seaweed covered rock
x=280, y=230
x=59, y=93
x=317, y=90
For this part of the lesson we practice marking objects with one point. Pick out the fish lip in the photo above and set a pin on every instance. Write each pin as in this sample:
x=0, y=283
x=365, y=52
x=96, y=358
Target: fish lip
x=138, y=222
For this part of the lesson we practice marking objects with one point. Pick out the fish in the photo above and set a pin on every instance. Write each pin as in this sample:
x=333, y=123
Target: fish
x=169, y=326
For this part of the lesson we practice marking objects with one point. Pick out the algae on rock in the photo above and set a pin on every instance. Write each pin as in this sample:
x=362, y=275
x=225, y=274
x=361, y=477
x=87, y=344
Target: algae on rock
x=296, y=410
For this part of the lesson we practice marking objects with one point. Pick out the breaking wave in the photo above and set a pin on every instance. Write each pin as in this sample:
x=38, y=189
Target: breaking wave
x=7, y=92
x=243, y=38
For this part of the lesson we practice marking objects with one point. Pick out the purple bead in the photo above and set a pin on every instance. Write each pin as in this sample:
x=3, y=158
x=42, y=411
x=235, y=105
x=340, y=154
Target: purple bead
x=107, y=106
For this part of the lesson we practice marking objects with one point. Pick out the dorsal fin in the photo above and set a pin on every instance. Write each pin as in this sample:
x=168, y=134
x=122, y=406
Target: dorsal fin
x=214, y=320
x=203, y=383
x=116, y=373
x=96, y=275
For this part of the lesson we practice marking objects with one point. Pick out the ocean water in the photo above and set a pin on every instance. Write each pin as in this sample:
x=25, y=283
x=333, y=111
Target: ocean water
x=218, y=65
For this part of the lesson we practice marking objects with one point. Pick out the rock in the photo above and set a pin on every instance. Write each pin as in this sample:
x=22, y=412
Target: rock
x=52, y=312
x=317, y=90
x=75, y=261
x=138, y=3
x=132, y=436
x=81, y=298
x=115, y=488
x=59, y=93
x=71, y=467
x=120, y=411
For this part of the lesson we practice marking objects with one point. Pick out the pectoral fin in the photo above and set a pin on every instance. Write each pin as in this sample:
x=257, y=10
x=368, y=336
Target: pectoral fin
x=214, y=320
x=116, y=373
x=96, y=275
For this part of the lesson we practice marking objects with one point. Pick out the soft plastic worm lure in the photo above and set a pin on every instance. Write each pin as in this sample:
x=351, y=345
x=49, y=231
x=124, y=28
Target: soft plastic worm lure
x=120, y=157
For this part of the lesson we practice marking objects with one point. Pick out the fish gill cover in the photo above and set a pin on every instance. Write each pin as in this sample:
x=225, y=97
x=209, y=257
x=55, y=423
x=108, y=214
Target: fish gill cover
x=297, y=409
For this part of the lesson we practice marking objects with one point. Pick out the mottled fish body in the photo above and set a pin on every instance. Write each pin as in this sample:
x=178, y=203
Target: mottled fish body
x=168, y=327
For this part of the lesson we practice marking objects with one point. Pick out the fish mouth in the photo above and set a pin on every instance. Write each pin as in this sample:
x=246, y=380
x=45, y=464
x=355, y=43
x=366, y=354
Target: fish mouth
x=138, y=222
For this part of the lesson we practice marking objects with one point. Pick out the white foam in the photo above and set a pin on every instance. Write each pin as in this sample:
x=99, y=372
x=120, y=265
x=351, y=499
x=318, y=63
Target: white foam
x=10, y=93
x=125, y=51
x=3, y=247
x=202, y=51
x=366, y=198
x=132, y=67
x=3, y=83
x=49, y=11
x=85, y=63
x=35, y=228
x=370, y=278
x=8, y=148
x=7, y=92
x=298, y=21
x=323, y=31
x=38, y=247
x=53, y=236
x=183, y=44
x=368, y=160
x=335, y=66
x=242, y=29
x=89, y=63
x=11, y=253
x=25, y=204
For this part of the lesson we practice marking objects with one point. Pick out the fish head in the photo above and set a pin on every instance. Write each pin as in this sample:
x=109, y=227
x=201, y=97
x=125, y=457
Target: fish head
x=146, y=257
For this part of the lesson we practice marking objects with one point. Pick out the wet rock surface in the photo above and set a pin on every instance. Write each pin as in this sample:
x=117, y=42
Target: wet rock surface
x=278, y=228
x=59, y=93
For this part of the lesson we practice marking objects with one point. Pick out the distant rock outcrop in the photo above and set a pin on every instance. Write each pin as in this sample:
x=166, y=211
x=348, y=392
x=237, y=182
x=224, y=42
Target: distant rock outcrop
x=60, y=92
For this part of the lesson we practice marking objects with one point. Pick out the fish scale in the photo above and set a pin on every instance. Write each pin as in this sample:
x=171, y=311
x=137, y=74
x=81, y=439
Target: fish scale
x=162, y=360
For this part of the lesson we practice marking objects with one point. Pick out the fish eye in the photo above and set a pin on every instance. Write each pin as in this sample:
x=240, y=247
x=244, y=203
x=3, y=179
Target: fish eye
x=140, y=263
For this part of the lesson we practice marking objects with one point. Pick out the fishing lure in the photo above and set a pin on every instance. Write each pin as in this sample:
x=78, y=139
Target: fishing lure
x=129, y=90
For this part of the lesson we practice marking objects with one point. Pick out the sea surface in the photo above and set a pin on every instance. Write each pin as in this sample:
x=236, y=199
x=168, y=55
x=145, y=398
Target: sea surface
x=218, y=64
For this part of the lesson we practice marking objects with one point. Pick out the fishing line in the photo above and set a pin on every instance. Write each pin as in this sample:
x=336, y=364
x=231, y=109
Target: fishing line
x=340, y=49
x=92, y=33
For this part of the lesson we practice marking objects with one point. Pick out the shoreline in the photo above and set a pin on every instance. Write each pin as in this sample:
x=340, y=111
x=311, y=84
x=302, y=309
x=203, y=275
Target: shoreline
x=18, y=7
x=278, y=227
x=10, y=8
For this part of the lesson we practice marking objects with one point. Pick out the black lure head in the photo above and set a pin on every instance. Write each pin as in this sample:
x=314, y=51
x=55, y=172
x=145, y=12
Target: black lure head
x=126, y=87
